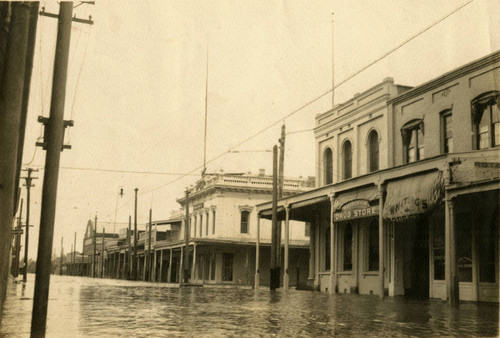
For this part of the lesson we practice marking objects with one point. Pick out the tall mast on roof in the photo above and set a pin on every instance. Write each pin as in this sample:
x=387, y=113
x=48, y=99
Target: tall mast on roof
x=333, y=65
x=206, y=105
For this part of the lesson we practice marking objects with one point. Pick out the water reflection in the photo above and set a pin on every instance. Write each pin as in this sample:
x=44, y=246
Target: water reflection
x=86, y=307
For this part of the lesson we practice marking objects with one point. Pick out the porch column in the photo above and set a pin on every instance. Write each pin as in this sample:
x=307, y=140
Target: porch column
x=451, y=260
x=169, y=272
x=333, y=249
x=193, y=271
x=154, y=266
x=119, y=264
x=257, y=255
x=286, y=277
x=161, y=266
x=181, y=266
x=312, y=250
x=381, y=248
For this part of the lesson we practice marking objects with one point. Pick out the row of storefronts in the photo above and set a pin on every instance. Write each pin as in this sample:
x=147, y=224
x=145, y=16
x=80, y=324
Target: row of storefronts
x=419, y=218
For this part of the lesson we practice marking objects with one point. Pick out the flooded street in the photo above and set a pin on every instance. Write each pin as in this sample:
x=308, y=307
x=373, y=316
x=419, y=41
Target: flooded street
x=81, y=307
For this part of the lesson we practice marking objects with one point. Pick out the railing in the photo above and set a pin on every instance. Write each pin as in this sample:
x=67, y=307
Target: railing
x=253, y=181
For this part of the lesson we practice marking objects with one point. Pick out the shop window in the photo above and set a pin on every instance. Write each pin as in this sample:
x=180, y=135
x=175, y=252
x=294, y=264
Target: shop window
x=464, y=247
x=446, y=132
x=487, y=252
x=486, y=120
x=438, y=247
x=328, y=166
x=244, y=221
x=227, y=263
x=347, y=152
x=347, y=248
x=413, y=141
x=373, y=151
x=327, y=248
x=373, y=254
x=213, y=222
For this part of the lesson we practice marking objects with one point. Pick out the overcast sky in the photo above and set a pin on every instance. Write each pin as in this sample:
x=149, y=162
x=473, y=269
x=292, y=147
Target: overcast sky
x=136, y=89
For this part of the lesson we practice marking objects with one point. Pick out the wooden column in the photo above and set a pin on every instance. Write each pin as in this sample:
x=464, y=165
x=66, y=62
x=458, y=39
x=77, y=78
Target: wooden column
x=286, y=276
x=193, y=271
x=451, y=260
x=118, y=266
x=257, y=256
x=312, y=250
x=333, y=249
x=161, y=266
x=381, y=249
x=169, y=272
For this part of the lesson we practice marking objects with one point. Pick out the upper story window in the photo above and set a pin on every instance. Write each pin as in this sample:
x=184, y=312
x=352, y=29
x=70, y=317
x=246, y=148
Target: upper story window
x=446, y=132
x=347, y=152
x=213, y=222
x=373, y=151
x=245, y=215
x=486, y=120
x=328, y=166
x=206, y=225
x=413, y=141
x=201, y=225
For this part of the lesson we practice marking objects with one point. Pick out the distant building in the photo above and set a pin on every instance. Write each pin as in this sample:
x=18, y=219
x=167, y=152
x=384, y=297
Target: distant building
x=93, y=260
x=223, y=230
x=409, y=181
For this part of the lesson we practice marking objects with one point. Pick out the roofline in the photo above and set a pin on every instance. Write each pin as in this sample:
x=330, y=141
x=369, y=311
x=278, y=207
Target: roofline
x=447, y=77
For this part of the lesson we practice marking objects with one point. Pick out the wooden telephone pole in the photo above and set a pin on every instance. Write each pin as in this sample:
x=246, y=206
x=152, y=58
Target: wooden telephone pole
x=53, y=144
x=28, y=186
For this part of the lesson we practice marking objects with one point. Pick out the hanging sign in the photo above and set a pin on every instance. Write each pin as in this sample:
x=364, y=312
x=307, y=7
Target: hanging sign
x=355, y=209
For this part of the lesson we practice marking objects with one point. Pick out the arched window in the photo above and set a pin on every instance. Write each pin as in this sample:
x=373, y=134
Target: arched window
x=413, y=141
x=328, y=166
x=244, y=221
x=327, y=248
x=348, y=247
x=347, y=152
x=486, y=120
x=373, y=151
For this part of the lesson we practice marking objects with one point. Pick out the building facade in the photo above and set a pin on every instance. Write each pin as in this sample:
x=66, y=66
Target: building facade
x=424, y=222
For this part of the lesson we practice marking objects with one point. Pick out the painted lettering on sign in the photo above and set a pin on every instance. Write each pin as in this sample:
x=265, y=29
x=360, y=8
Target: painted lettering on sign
x=355, y=209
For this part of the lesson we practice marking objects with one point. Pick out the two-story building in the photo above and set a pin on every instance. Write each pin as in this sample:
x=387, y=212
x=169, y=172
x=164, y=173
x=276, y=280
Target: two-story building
x=223, y=232
x=410, y=190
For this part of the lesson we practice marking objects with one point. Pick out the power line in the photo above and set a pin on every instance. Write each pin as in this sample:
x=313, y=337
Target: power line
x=119, y=171
x=317, y=98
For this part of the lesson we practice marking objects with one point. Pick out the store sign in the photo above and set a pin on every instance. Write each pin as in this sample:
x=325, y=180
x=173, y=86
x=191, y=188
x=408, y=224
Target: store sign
x=355, y=209
x=413, y=195
x=198, y=206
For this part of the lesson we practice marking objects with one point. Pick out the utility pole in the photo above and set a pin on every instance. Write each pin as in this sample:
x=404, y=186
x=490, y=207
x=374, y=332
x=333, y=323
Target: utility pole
x=69, y=271
x=281, y=165
x=61, y=259
x=134, y=262
x=28, y=186
x=14, y=269
x=11, y=98
x=149, y=246
x=102, y=252
x=95, y=249
x=53, y=143
x=275, y=270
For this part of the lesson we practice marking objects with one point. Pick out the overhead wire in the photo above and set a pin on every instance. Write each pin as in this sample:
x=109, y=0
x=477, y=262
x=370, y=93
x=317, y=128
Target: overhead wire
x=320, y=96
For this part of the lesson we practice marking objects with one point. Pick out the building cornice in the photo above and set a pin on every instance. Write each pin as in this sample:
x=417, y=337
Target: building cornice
x=447, y=77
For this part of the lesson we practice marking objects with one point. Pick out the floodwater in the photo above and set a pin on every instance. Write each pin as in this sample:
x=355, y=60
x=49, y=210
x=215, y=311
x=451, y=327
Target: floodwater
x=81, y=307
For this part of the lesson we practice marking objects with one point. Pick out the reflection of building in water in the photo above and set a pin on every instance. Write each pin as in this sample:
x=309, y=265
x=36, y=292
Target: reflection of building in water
x=408, y=178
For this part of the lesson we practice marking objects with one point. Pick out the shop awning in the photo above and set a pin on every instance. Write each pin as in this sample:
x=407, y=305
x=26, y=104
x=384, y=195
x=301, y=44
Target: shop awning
x=413, y=195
